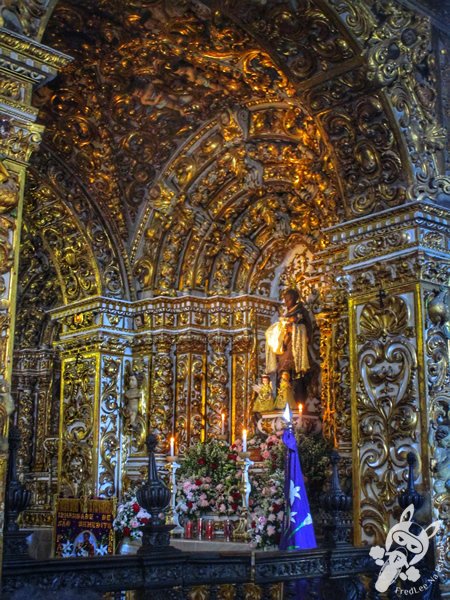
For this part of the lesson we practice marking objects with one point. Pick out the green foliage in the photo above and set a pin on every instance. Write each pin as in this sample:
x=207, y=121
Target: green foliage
x=213, y=458
x=314, y=451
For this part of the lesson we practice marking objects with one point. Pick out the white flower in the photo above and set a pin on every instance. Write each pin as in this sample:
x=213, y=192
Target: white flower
x=102, y=550
x=67, y=548
x=294, y=492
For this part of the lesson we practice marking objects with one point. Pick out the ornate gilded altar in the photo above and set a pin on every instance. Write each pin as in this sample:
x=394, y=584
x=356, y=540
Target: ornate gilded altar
x=196, y=161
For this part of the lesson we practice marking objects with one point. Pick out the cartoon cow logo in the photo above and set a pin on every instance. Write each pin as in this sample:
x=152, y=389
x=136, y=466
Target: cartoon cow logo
x=406, y=544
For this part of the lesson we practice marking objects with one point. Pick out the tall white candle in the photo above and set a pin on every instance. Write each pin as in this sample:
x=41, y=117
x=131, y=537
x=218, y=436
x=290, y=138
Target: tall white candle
x=244, y=440
x=172, y=446
x=223, y=423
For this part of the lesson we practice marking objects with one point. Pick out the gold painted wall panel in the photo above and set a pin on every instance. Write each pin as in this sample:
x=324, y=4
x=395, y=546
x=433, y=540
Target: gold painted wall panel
x=79, y=421
x=385, y=406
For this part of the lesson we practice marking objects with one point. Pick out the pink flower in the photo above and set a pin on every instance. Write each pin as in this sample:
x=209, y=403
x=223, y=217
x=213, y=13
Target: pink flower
x=222, y=508
x=270, y=530
x=265, y=454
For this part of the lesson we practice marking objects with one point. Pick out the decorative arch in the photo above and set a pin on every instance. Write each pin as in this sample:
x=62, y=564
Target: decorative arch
x=244, y=185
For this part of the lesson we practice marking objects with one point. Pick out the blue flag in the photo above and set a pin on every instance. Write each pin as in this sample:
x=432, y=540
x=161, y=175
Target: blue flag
x=298, y=531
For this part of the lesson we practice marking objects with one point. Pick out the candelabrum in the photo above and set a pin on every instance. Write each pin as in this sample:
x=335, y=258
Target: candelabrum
x=241, y=531
x=174, y=465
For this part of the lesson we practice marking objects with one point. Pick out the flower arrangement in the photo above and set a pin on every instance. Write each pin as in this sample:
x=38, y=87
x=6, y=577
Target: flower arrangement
x=267, y=509
x=130, y=518
x=210, y=480
x=267, y=498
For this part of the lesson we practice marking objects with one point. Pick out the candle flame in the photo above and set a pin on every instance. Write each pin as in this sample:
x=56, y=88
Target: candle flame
x=300, y=408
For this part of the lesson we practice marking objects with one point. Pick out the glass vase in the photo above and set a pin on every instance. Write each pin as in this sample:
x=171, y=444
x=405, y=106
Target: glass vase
x=129, y=545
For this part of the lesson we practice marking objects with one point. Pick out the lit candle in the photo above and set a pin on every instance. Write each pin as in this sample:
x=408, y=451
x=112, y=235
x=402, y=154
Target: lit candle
x=300, y=414
x=244, y=440
x=223, y=423
x=172, y=446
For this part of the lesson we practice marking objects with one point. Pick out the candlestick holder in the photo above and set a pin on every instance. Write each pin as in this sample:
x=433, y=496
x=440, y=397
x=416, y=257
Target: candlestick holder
x=174, y=465
x=241, y=531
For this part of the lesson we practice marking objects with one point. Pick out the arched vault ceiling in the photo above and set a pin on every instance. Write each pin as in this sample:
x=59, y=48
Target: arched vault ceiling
x=200, y=137
x=249, y=183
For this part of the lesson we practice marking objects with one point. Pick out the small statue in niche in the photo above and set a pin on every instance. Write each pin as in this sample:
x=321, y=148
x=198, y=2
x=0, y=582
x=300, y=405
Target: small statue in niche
x=132, y=395
x=285, y=394
x=264, y=399
x=6, y=409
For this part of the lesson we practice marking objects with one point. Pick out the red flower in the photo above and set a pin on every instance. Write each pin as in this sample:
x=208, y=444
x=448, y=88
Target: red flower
x=234, y=506
x=236, y=495
x=126, y=531
x=214, y=466
x=198, y=482
x=144, y=520
x=201, y=461
x=189, y=504
x=253, y=525
x=276, y=507
x=136, y=507
x=232, y=457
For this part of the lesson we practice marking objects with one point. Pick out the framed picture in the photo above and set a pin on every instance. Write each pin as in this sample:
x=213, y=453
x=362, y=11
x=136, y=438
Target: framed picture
x=84, y=527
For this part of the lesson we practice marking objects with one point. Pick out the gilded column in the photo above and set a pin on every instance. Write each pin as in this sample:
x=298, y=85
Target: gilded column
x=24, y=64
x=190, y=389
x=161, y=415
x=243, y=375
x=396, y=267
x=95, y=349
x=218, y=397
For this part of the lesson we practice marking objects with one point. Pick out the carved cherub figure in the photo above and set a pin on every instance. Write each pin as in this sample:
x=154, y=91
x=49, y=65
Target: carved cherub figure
x=132, y=395
x=6, y=409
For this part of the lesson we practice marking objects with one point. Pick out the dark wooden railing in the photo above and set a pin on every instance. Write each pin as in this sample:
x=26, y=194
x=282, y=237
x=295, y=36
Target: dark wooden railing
x=179, y=574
